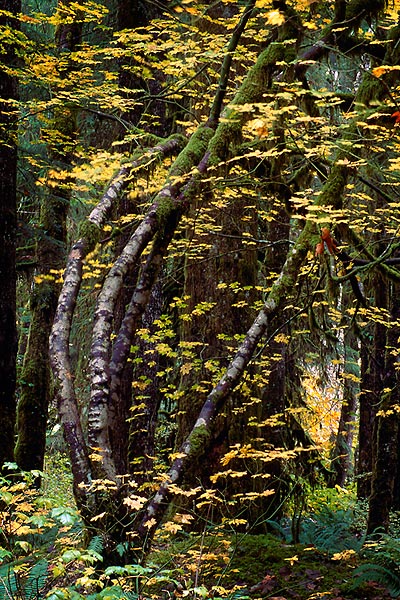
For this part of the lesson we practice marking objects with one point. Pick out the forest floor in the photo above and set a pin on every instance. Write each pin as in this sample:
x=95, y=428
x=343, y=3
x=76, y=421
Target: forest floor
x=332, y=562
x=304, y=573
x=262, y=566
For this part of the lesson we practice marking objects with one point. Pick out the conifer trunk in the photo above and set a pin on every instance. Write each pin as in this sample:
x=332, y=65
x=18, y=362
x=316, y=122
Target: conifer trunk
x=384, y=467
x=36, y=392
x=8, y=230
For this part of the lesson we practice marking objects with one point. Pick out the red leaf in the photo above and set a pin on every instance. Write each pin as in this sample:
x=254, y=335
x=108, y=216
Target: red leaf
x=396, y=116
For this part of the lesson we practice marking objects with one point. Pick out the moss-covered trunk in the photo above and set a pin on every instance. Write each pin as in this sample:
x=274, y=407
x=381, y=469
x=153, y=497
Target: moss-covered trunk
x=8, y=226
x=35, y=382
x=50, y=255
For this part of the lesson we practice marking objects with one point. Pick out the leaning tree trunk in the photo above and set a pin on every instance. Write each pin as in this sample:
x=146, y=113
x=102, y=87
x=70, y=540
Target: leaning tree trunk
x=36, y=392
x=8, y=231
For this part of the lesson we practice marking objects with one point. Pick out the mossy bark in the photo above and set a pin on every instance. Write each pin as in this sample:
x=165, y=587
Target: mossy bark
x=36, y=390
x=50, y=255
x=343, y=450
x=8, y=227
x=225, y=260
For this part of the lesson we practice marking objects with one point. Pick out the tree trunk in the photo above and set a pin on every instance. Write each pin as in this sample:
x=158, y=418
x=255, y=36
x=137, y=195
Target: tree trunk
x=372, y=374
x=8, y=230
x=222, y=280
x=384, y=466
x=343, y=450
x=50, y=257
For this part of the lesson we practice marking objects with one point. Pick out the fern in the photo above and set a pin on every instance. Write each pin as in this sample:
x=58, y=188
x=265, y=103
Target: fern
x=36, y=580
x=9, y=584
x=380, y=574
x=330, y=531
x=27, y=587
x=283, y=531
x=96, y=544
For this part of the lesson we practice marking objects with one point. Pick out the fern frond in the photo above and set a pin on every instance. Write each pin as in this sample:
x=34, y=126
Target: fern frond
x=379, y=574
x=9, y=584
x=96, y=544
x=36, y=579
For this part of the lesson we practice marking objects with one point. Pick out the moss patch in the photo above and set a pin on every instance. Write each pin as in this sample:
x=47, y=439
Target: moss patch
x=90, y=232
x=263, y=566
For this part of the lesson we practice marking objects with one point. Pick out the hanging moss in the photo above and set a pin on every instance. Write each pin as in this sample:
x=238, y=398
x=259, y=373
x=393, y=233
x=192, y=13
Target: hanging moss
x=359, y=9
x=90, y=232
x=371, y=90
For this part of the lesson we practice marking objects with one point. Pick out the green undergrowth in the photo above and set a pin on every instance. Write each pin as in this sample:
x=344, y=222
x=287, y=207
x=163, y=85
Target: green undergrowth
x=261, y=566
x=43, y=554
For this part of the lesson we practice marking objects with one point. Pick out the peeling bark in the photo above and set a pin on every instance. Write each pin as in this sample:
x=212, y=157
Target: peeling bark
x=60, y=335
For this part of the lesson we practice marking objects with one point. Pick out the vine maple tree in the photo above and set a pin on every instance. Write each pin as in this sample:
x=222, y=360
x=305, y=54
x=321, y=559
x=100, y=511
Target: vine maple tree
x=288, y=106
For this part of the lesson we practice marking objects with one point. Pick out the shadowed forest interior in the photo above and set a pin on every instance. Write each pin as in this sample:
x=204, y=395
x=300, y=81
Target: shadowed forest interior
x=200, y=308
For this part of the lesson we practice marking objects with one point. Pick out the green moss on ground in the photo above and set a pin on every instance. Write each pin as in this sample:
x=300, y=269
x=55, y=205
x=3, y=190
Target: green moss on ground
x=264, y=566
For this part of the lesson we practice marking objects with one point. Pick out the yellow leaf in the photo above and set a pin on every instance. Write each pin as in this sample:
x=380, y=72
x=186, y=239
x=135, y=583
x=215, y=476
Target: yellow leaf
x=150, y=523
x=186, y=368
x=275, y=17
x=98, y=517
x=379, y=71
x=172, y=527
x=185, y=518
x=135, y=502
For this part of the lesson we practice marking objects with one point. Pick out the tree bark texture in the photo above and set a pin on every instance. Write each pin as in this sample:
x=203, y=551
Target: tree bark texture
x=60, y=335
x=343, y=451
x=8, y=231
x=36, y=392
x=385, y=467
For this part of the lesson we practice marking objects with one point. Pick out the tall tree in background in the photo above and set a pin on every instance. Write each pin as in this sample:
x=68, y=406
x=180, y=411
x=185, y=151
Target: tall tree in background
x=9, y=11
x=36, y=391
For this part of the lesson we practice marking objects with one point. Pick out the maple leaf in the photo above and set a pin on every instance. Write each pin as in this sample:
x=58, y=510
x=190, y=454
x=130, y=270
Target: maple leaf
x=379, y=71
x=150, y=523
x=275, y=17
x=396, y=116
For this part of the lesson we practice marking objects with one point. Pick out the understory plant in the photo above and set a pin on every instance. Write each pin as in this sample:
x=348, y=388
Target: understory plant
x=382, y=555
